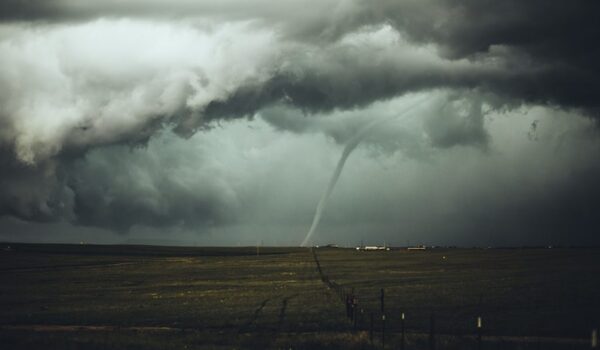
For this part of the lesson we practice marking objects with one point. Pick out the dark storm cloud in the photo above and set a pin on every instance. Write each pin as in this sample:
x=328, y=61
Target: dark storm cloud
x=84, y=81
x=559, y=208
x=348, y=77
x=94, y=97
x=458, y=125
x=548, y=47
x=515, y=54
x=30, y=192
x=449, y=119
x=357, y=66
x=119, y=188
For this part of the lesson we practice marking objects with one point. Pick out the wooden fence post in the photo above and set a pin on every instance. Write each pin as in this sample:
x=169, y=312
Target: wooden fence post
x=479, y=330
x=371, y=330
x=362, y=318
x=402, y=330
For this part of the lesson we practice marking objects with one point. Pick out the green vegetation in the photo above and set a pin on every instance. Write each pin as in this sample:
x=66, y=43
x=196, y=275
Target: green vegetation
x=140, y=297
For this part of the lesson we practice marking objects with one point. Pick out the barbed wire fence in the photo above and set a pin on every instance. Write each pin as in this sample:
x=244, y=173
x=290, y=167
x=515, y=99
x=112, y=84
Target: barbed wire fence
x=387, y=328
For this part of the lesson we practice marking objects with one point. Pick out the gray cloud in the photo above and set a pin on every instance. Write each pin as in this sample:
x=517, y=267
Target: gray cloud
x=555, y=50
x=458, y=122
x=91, y=89
x=247, y=181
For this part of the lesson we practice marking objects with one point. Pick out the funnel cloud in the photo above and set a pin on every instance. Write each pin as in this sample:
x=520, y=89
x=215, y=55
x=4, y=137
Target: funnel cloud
x=348, y=148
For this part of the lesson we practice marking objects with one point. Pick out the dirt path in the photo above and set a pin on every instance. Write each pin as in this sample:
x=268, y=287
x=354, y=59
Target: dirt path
x=60, y=267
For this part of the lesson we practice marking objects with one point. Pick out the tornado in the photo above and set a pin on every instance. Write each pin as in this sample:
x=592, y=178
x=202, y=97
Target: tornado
x=350, y=146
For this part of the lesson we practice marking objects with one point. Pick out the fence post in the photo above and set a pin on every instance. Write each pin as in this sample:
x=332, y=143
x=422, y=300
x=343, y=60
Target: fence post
x=402, y=330
x=432, y=332
x=371, y=330
x=362, y=318
x=479, y=330
x=382, y=319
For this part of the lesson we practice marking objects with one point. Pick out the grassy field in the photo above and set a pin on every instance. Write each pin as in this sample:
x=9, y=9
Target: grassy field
x=140, y=297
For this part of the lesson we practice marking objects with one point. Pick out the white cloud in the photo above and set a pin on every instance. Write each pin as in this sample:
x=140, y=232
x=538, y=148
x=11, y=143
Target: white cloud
x=98, y=82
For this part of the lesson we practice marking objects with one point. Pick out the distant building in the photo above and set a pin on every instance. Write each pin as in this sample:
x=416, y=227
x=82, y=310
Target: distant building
x=372, y=247
x=419, y=247
x=331, y=245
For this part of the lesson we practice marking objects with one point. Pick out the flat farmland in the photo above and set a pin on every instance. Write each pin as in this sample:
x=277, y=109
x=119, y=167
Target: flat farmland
x=142, y=297
x=519, y=292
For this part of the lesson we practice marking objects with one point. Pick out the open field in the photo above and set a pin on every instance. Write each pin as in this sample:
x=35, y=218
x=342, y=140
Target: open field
x=136, y=297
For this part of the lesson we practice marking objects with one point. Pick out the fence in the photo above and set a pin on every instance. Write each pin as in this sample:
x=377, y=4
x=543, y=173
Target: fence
x=376, y=322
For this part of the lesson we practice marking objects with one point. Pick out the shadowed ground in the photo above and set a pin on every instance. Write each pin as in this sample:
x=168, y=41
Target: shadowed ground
x=114, y=297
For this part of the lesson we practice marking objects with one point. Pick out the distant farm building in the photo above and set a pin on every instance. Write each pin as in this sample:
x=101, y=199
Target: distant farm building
x=327, y=246
x=372, y=247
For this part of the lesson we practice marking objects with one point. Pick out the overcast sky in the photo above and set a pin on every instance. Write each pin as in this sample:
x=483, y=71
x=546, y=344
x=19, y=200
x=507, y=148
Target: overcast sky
x=222, y=122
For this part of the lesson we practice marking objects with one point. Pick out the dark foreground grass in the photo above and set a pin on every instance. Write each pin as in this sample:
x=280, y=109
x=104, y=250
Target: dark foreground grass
x=545, y=292
x=116, y=297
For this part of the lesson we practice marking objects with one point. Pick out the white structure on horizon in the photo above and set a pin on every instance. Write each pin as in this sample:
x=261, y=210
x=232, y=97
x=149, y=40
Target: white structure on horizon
x=373, y=247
